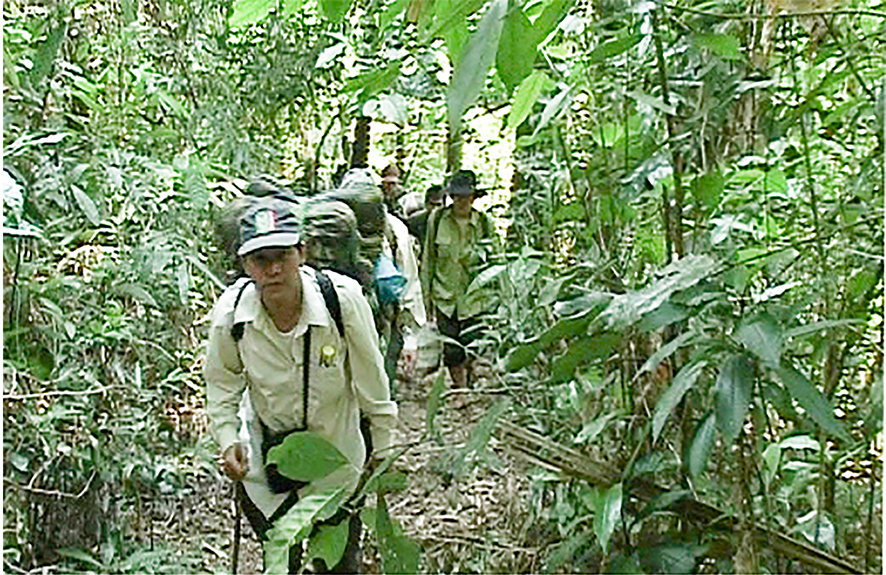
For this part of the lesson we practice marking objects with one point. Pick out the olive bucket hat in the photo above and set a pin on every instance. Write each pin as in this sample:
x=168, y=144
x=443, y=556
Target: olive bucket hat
x=268, y=224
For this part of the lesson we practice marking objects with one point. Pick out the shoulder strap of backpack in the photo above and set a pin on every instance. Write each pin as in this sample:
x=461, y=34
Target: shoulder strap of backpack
x=238, y=328
x=330, y=296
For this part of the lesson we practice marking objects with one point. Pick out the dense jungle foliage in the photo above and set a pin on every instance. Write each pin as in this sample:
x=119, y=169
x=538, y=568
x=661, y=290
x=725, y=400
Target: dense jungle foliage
x=688, y=320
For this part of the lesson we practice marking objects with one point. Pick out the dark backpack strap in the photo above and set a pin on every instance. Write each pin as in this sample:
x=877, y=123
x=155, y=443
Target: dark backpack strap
x=238, y=328
x=330, y=296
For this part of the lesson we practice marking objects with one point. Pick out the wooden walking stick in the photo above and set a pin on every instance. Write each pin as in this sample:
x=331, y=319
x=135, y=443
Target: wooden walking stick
x=235, y=554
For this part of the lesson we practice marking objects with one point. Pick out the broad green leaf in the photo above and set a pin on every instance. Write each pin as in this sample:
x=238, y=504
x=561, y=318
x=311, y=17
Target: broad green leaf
x=776, y=181
x=683, y=382
x=553, y=108
x=87, y=206
x=549, y=18
x=818, y=529
x=592, y=302
x=762, y=337
x=614, y=47
x=487, y=276
x=627, y=309
x=335, y=10
x=516, y=49
x=625, y=565
x=571, y=212
x=183, y=281
x=172, y=103
x=391, y=481
x=591, y=348
x=479, y=436
x=46, y=54
x=329, y=55
x=329, y=543
x=247, y=12
x=607, y=514
x=374, y=81
x=665, y=352
x=470, y=73
x=666, y=314
x=522, y=356
x=702, y=443
x=306, y=456
x=771, y=460
x=297, y=524
x=434, y=404
x=399, y=554
x=812, y=401
x=670, y=558
x=391, y=11
x=735, y=384
x=449, y=14
x=723, y=45
x=136, y=292
x=708, y=189
x=818, y=326
x=290, y=7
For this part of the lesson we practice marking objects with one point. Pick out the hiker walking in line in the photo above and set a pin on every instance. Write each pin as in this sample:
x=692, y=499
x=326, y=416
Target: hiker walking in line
x=450, y=262
x=302, y=345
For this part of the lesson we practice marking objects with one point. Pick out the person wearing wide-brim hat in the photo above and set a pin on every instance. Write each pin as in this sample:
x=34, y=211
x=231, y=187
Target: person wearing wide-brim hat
x=297, y=363
x=450, y=261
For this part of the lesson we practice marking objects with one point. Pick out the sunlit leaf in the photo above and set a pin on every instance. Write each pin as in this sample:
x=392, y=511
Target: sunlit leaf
x=733, y=389
x=723, y=45
x=548, y=20
x=247, y=12
x=470, y=73
x=517, y=48
x=335, y=10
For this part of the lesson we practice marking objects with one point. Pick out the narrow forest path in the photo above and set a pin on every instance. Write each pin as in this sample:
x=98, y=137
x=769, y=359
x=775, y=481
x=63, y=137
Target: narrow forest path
x=473, y=522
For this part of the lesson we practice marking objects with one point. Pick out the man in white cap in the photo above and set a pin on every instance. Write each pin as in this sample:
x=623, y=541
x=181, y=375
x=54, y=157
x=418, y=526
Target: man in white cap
x=303, y=367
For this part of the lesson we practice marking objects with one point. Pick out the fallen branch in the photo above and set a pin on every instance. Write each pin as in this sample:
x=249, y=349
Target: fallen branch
x=541, y=451
x=51, y=492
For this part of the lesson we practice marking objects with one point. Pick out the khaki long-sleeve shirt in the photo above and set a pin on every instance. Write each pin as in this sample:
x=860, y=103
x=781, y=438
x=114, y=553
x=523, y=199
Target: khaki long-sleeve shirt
x=450, y=260
x=268, y=364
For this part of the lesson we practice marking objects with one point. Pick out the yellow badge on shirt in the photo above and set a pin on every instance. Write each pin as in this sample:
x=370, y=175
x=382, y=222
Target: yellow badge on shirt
x=327, y=355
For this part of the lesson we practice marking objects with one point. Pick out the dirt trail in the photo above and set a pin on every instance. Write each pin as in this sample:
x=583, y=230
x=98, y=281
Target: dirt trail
x=476, y=522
